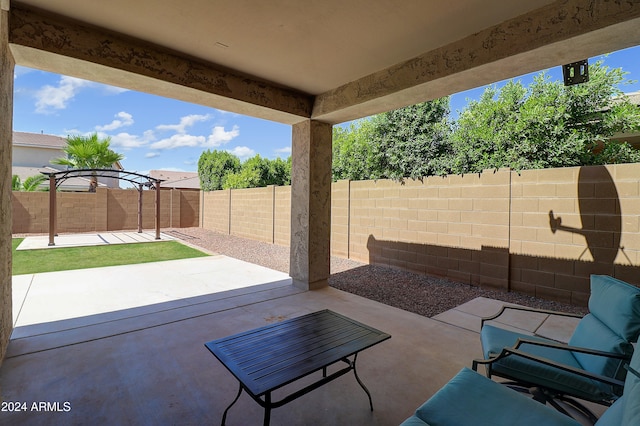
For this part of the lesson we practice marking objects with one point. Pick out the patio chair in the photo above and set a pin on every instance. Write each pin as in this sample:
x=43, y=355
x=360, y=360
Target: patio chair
x=469, y=399
x=553, y=371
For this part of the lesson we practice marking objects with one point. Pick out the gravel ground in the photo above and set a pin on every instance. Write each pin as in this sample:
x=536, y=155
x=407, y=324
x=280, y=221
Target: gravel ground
x=421, y=294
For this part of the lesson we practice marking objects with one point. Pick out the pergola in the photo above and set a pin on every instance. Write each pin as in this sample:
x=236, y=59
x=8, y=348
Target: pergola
x=139, y=181
x=307, y=64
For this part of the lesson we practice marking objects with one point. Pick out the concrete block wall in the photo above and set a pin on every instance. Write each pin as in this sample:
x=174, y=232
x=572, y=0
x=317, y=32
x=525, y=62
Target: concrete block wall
x=76, y=212
x=30, y=212
x=189, y=209
x=214, y=210
x=539, y=232
x=455, y=226
x=252, y=213
x=104, y=210
x=567, y=224
x=282, y=216
x=123, y=210
x=340, y=217
x=262, y=214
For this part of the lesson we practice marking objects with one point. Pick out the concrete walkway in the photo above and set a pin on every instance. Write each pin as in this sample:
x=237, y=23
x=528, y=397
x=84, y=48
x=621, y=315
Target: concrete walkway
x=91, y=239
x=52, y=301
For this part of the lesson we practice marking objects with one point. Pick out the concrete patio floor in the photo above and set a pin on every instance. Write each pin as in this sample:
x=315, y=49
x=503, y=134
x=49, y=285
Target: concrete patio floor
x=125, y=345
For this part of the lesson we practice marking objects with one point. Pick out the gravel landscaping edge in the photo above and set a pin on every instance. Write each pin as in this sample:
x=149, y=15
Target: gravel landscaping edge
x=422, y=294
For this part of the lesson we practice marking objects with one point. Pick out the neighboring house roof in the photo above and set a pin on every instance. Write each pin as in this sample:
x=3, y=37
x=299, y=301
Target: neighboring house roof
x=180, y=180
x=38, y=140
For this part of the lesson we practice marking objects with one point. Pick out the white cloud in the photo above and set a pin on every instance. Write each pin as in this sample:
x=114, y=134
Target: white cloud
x=179, y=140
x=129, y=141
x=182, y=138
x=286, y=150
x=219, y=136
x=123, y=119
x=242, y=152
x=152, y=155
x=50, y=98
x=185, y=122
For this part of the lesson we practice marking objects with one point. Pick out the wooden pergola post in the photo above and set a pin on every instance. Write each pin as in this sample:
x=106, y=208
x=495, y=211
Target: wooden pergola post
x=52, y=209
x=140, y=208
x=157, y=209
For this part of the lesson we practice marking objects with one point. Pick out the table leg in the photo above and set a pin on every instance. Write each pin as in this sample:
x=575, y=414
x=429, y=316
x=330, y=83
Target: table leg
x=224, y=416
x=267, y=409
x=355, y=373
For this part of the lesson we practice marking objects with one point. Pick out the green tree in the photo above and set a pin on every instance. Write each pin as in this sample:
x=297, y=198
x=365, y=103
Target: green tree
x=258, y=172
x=213, y=166
x=89, y=152
x=253, y=173
x=412, y=141
x=280, y=171
x=353, y=153
x=30, y=184
x=545, y=125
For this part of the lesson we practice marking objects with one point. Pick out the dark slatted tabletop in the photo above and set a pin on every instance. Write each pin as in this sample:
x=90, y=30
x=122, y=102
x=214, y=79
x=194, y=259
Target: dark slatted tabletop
x=270, y=357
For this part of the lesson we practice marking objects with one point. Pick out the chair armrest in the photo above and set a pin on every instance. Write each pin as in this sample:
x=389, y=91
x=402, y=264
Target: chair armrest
x=511, y=351
x=565, y=347
x=527, y=309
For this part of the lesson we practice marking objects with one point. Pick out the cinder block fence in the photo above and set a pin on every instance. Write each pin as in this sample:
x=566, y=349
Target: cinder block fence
x=104, y=210
x=540, y=232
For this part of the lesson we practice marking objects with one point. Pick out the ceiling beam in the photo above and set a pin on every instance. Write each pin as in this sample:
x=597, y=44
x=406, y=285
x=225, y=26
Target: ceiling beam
x=59, y=45
x=563, y=32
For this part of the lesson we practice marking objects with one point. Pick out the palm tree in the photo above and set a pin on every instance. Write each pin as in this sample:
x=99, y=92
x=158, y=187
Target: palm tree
x=32, y=183
x=15, y=183
x=89, y=152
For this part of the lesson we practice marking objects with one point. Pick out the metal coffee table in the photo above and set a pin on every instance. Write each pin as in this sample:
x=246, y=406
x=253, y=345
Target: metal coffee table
x=270, y=357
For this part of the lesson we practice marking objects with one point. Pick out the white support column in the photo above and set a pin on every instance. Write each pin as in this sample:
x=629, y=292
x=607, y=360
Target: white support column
x=7, y=65
x=310, y=204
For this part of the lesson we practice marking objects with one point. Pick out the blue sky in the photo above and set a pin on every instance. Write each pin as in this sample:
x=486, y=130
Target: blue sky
x=159, y=133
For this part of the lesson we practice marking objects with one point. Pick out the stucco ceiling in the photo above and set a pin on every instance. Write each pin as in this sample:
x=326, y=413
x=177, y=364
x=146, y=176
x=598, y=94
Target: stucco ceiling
x=312, y=46
x=319, y=47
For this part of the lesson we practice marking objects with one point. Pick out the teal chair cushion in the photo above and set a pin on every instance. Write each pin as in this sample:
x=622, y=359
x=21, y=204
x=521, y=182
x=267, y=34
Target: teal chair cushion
x=608, y=293
x=494, y=339
x=470, y=399
x=414, y=421
x=527, y=371
x=613, y=415
x=591, y=333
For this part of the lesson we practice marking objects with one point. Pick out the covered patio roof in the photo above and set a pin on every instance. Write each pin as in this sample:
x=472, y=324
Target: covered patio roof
x=331, y=61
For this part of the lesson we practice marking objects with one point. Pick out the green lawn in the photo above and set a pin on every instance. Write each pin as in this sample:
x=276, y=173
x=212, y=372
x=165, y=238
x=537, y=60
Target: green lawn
x=63, y=259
